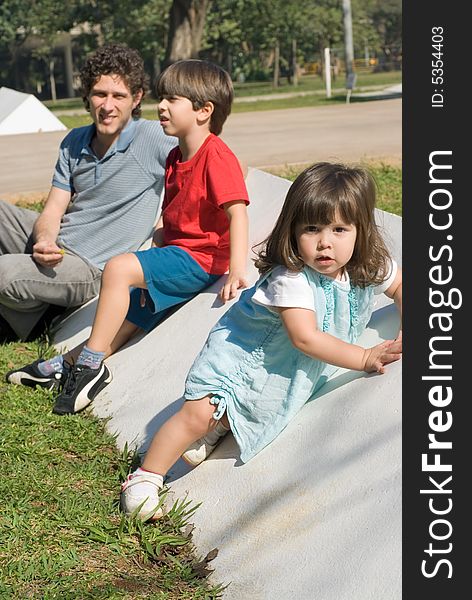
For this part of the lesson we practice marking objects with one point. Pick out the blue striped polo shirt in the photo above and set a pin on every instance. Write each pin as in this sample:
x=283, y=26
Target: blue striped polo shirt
x=115, y=199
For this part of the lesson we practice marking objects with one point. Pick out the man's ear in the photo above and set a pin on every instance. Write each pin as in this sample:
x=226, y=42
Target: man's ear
x=137, y=98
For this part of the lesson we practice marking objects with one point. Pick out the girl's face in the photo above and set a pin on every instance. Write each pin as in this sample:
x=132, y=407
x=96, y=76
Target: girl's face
x=327, y=248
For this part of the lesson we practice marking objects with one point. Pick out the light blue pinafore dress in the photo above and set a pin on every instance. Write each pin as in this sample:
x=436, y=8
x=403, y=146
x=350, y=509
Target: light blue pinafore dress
x=255, y=373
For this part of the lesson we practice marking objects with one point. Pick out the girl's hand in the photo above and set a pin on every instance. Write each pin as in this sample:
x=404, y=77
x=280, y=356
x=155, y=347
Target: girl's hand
x=234, y=282
x=383, y=354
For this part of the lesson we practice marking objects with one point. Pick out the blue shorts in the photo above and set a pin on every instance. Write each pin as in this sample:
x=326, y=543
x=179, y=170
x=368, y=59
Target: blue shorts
x=172, y=277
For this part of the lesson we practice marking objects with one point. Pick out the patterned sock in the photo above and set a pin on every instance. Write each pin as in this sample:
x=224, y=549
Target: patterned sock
x=53, y=365
x=90, y=358
x=218, y=432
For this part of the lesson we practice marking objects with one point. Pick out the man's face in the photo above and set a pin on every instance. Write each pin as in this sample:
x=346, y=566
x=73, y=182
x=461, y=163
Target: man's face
x=111, y=105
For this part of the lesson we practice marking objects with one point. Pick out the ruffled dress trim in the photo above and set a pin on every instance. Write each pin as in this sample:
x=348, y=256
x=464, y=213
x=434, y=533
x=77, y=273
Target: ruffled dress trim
x=328, y=288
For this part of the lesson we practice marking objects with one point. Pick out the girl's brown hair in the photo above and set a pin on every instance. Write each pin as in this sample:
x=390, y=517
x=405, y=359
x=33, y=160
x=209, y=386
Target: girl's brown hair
x=319, y=195
x=200, y=81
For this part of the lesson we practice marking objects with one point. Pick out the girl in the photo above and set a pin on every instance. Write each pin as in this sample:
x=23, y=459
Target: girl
x=320, y=269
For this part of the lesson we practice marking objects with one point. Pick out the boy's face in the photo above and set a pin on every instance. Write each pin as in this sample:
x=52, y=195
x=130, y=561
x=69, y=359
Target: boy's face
x=111, y=106
x=178, y=117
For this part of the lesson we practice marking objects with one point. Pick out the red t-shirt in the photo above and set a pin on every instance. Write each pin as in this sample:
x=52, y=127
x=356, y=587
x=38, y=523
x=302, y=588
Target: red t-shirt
x=195, y=191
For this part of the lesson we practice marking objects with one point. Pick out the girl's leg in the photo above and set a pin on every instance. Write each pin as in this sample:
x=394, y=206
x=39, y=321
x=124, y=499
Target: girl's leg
x=140, y=491
x=193, y=421
x=109, y=330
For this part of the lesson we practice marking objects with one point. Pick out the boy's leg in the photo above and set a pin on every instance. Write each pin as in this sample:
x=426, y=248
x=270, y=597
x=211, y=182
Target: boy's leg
x=125, y=333
x=51, y=373
x=109, y=330
x=89, y=375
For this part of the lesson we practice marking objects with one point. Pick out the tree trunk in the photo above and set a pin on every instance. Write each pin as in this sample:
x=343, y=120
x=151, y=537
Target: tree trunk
x=276, y=64
x=186, y=23
x=52, y=80
x=294, y=66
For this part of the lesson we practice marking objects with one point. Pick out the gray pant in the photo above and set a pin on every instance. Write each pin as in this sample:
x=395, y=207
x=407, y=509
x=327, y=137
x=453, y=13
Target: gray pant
x=26, y=288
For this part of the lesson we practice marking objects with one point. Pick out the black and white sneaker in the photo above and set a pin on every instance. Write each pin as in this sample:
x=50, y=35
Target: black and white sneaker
x=80, y=387
x=31, y=376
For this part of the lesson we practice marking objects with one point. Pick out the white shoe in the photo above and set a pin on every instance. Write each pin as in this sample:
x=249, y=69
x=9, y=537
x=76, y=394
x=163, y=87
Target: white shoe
x=140, y=495
x=203, y=447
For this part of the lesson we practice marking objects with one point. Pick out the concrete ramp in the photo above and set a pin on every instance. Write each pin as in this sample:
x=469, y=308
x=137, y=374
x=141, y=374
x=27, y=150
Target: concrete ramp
x=24, y=113
x=317, y=514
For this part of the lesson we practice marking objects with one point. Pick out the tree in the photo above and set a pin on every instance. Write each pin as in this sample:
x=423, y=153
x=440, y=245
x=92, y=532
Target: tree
x=39, y=23
x=378, y=23
x=186, y=24
x=141, y=24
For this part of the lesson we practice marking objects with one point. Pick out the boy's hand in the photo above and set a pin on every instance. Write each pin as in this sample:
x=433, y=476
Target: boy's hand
x=234, y=282
x=47, y=254
x=383, y=354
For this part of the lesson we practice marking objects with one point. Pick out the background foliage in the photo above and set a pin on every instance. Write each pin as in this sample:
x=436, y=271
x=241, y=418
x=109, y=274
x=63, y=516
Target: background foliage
x=241, y=35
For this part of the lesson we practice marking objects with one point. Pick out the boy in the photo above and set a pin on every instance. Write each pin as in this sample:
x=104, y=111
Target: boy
x=202, y=231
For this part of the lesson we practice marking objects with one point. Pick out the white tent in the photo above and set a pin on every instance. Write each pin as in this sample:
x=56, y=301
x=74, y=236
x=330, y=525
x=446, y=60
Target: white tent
x=24, y=113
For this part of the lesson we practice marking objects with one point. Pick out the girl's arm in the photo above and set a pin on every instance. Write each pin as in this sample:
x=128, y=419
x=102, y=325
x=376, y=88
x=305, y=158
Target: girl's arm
x=238, y=240
x=300, y=324
x=395, y=292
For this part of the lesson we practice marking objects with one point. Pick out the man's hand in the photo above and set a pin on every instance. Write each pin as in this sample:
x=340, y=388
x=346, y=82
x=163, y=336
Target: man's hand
x=383, y=354
x=234, y=282
x=47, y=254
x=46, y=229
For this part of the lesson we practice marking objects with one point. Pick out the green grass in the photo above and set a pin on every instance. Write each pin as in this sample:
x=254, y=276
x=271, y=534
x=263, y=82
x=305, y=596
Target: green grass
x=62, y=535
x=387, y=177
x=315, y=83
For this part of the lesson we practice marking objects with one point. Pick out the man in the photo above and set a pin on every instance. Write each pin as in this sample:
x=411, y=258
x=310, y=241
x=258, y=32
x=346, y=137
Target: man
x=103, y=201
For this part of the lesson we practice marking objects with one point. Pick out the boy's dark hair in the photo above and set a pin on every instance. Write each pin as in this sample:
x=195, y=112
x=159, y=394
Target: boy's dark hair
x=319, y=195
x=116, y=59
x=200, y=81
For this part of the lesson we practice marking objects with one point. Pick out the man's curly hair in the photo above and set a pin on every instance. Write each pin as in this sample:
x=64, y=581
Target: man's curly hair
x=116, y=59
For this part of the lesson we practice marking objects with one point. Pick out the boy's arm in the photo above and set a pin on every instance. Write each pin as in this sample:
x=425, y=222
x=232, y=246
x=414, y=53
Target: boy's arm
x=158, y=234
x=300, y=324
x=238, y=239
x=46, y=252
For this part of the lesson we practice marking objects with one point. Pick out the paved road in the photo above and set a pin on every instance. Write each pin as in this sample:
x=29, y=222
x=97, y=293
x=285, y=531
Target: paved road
x=338, y=132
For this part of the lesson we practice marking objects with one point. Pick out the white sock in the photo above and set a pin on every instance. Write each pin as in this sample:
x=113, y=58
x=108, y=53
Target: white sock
x=151, y=475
